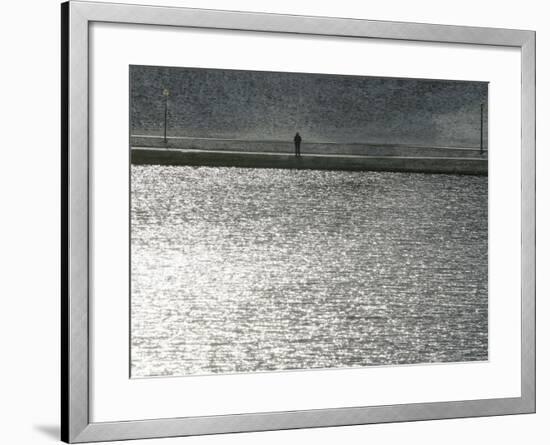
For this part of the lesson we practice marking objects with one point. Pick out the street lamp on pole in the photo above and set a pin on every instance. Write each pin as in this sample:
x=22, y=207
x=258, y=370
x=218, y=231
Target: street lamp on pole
x=165, y=93
x=481, y=130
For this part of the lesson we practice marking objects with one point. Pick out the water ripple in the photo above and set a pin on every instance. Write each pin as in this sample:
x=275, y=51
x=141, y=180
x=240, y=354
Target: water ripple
x=241, y=270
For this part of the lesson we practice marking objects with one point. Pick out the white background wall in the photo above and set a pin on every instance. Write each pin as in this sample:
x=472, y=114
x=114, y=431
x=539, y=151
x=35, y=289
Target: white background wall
x=29, y=221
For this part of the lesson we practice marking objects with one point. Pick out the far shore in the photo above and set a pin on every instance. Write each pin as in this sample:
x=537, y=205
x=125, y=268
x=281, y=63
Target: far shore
x=406, y=161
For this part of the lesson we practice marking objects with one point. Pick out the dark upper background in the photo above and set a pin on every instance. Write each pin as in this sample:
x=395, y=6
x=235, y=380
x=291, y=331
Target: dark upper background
x=323, y=108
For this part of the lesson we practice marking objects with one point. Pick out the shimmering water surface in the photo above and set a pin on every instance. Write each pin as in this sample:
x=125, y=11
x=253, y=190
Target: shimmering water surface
x=242, y=270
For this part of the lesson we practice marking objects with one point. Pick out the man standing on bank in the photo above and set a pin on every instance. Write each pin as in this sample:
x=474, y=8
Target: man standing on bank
x=297, y=142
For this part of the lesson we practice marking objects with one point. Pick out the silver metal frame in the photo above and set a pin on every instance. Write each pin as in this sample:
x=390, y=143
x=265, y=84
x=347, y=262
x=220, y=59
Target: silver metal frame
x=76, y=18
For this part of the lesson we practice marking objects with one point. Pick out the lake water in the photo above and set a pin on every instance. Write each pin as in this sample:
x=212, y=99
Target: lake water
x=246, y=270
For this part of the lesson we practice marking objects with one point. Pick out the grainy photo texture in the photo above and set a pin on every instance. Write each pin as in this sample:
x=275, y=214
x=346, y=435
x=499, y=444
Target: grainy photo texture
x=295, y=221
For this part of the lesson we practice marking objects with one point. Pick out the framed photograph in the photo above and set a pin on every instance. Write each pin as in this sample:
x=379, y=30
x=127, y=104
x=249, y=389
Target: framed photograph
x=275, y=222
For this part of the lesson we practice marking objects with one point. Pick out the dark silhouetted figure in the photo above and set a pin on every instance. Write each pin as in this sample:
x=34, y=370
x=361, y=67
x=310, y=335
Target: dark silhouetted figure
x=297, y=142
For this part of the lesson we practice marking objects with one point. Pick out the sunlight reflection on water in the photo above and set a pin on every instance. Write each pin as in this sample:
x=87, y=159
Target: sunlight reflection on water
x=240, y=270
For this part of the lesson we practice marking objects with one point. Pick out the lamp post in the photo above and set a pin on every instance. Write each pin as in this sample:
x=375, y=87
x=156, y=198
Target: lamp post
x=165, y=93
x=481, y=131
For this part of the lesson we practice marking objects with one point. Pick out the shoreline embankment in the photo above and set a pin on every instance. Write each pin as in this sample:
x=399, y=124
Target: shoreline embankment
x=392, y=162
x=313, y=147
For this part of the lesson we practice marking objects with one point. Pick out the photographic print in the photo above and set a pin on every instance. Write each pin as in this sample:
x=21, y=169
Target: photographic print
x=296, y=221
